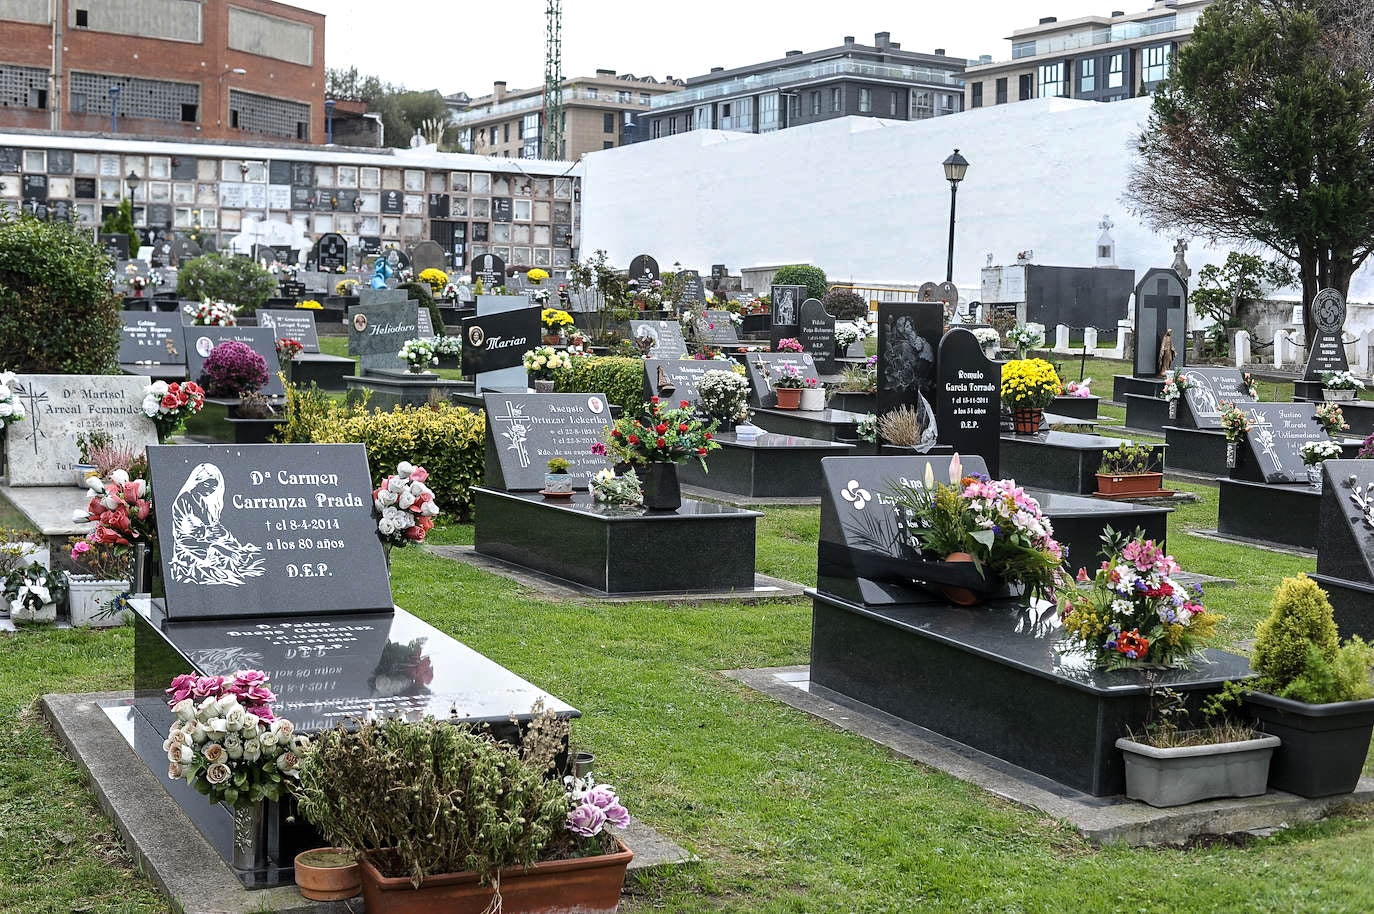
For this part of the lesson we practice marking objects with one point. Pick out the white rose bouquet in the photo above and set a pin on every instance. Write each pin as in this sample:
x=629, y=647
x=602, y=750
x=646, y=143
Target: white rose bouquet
x=210, y=313
x=404, y=506
x=11, y=407
x=543, y=361
x=419, y=354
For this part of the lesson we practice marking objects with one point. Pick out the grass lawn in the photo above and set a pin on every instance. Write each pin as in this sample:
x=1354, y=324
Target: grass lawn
x=788, y=815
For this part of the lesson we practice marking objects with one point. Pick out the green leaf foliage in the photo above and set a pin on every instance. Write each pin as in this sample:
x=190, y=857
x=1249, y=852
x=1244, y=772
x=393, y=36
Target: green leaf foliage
x=620, y=379
x=420, y=292
x=57, y=313
x=1300, y=617
x=225, y=277
x=801, y=274
x=845, y=305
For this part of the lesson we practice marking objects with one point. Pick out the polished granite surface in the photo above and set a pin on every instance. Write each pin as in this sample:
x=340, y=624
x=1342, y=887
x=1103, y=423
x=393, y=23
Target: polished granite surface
x=582, y=503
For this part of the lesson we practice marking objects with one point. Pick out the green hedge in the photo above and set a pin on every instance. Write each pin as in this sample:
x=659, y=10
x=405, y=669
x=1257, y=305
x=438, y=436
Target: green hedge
x=801, y=274
x=420, y=292
x=620, y=379
x=224, y=277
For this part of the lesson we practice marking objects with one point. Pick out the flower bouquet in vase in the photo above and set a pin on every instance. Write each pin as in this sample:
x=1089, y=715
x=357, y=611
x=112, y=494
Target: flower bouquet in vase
x=542, y=363
x=1234, y=423
x=1175, y=383
x=1332, y=419
x=404, y=507
x=169, y=405
x=655, y=442
x=1314, y=454
x=210, y=313
x=419, y=355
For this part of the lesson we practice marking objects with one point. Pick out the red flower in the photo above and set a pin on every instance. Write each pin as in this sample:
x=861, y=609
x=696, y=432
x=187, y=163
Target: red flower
x=662, y=443
x=174, y=388
x=709, y=436
x=617, y=433
x=653, y=399
x=1132, y=644
x=701, y=450
x=682, y=426
x=415, y=533
x=634, y=439
x=683, y=404
x=169, y=402
x=661, y=428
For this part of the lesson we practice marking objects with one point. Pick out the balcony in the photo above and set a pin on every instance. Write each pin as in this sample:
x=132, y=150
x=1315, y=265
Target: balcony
x=791, y=76
x=533, y=102
x=1125, y=31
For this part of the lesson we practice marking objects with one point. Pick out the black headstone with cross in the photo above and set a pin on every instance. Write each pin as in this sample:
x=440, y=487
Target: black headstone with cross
x=1274, y=442
x=1327, y=352
x=1161, y=304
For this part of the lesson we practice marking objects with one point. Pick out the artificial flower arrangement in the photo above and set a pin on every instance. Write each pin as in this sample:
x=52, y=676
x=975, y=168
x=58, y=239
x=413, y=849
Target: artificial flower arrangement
x=1024, y=338
x=11, y=407
x=34, y=593
x=233, y=368
x=451, y=290
x=1235, y=422
x=543, y=361
x=1315, y=453
x=707, y=354
x=789, y=344
x=649, y=296
x=867, y=428
x=537, y=275
x=345, y=287
x=724, y=395
x=555, y=319
x=1248, y=384
x=1341, y=380
x=1331, y=418
x=1175, y=383
x=418, y=354
x=987, y=337
x=1081, y=389
x=227, y=744
x=661, y=434
x=538, y=296
x=611, y=489
x=211, y=313
x=171, y=404
x=593, y=807
x=434, y=278
x=1135, y=614
x=310, y=305
x=448, y=346
x=847, y=333
x=288, y=348
x=139, y=283
x=122, y=511
x=1029, y=384
x=990, y=524
x=404, y=506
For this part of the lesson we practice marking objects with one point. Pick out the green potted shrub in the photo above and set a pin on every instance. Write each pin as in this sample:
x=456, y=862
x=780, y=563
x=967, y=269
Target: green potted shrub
x=1130, y=469
x=1313, y=692
x=469, y=824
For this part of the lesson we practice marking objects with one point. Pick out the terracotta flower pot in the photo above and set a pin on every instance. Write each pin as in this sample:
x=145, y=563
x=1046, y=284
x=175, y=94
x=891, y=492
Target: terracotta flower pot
x=789, y=397
x=328, y=874
x=589, y=885
x=960, y=596
x=1026, y=420
x=1129, y=484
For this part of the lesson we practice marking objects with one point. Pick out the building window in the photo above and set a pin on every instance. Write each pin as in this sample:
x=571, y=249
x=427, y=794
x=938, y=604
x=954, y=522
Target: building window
x=701, y=119
x=83, y=19
x=1156, y=64
x=644, y=98
x=835, y=104
x=1021, y=49
x=608, y=144
x=892, y=103
x=492, y=142
x=658, y=127
x=744, y=114
x=529, y=133
x=1116, y=71
x=727, y=120
x=977, y=100
x=1002, y=91
x=608, y=122
x=793, y=107
x=816, y=102
x=623, y=96
x=23, y=87
x=923, y=104
x=1087, y=75
x=1051, y=81
x=506, y=133
x=768, y=112
x=150, y=98
x=948, y=103
x=865, y=101
x=1025, y=84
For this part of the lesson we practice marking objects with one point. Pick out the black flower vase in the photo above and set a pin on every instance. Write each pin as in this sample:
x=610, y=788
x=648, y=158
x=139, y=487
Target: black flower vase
x=661, y=489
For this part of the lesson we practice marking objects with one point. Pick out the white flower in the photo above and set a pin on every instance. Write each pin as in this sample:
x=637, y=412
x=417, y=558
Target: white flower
x=217, y=773
x=120, y=477
x=386, y=526
x=405, y=468
x=109, y=503
x=6, y=410
x=81, y=516
x=430, y=509
x=185, y=710
x=283, y=727
x=386, y=499
x=158, y=389
x=395, y=484
x=405, y=500
x=252, y=750
x=233, y=718
x=226, y=703
x=268, y=741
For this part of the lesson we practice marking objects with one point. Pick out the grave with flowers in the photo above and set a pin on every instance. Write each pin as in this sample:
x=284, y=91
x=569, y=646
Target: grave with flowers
x=1188, y=410
x=770, y=372
x=273, y=562
x=303, y=362
x=394, y=362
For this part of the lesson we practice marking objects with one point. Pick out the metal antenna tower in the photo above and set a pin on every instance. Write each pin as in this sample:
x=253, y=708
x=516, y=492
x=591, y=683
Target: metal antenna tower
x=553, y=80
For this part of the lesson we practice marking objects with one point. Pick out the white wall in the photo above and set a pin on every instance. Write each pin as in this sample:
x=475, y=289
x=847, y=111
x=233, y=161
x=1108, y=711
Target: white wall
x=866, y=198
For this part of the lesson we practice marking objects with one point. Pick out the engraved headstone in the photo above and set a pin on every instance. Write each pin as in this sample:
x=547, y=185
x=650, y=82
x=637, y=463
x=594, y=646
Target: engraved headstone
x=201, y=341
x=1160, y=305
x=818, y=334
x=693, y=289
x=969, y=411
x=526, y=431
x=427, y=255
x=908, y=340
x=151, y=337
x=787, y=302
x=267, y=530
x=331, y=252
x=494, y=346
x=297, y=324
x=377, y=330
x=1278, y=432
x=425, y=323
x=41, y=450
x=682, y=375
x=716, y=328
x=1211, y=388
x=766, y=367
x=643, y=270
x=1327, y=352
x=664, y=338
x=115, y=244
x=489, y=269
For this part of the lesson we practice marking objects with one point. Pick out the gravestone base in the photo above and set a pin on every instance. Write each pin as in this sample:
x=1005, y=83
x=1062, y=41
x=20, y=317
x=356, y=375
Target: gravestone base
x=1076, y=407
x=328, y=371
x=770, y=466
x=398, y=388
x=1283, y=514
x=1353, y=602
x=1123, y=384
x=1193, y=450
x=990, y=677
x=1079, y=523
x=1307, y=390
x=453, y=314
x=854, y=401
x=821, y=424
x=619, y=550
x=1148, y=414
x=1059, y=461
x=219, y=421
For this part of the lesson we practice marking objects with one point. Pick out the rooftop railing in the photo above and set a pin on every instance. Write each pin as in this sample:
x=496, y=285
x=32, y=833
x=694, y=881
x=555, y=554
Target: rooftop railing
x=787, y=76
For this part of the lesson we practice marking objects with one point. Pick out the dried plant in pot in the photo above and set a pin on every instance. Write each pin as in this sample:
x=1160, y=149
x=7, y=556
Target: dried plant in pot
x=905, y=428
x=254, y=405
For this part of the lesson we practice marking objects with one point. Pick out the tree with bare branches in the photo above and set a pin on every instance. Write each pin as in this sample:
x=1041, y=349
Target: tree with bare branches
x=1264, y=135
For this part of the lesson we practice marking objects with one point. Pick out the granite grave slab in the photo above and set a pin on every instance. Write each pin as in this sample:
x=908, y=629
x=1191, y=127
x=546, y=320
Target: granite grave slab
x=661, y=339
x=201, y=341
x=525, y=431
x=682, y=375
x=969, y=398
x=1271, y=452
x=151, y=338
x=296, y=323
x=818, y=335
x=494, y=346
x=766, y=367
x=787, y=301
x=378, y=329
x=42, y=449
x=716, y=328
x=769, y=466
x=1282, y=514
x=1060, y=461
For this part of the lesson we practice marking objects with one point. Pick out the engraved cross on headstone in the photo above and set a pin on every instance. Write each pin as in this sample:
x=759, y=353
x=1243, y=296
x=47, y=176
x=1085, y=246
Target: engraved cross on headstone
x=33, y=397
x=516, y=432
x=1264, y=430
x=1161, y=302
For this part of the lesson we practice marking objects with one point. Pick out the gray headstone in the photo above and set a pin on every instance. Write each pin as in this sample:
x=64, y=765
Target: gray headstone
x=427, y=255
x=818, y=334
x=667, y=337
x=153, y=337
x=201, y=341
x=693, y=289
x=526, y=431
x=716, y=328
x=1278, y=432
x=295, y=323
x=682, y=374
x=1161, y=303
x=1327, y=352
x=1211, y=388
x=765, y=367
x=787, y=302
x=969, y=397
x=41, y=449
x=376, y=332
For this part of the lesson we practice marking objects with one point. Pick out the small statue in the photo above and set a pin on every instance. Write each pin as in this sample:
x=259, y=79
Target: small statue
x=381, y=272
x=666, y=388
x=1166, y=352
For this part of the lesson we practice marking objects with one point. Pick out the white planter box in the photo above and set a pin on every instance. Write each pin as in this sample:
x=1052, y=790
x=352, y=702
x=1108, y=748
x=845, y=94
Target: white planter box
x=47, y=613
x=1338, y=396
x=89, y=597
x=813, y=399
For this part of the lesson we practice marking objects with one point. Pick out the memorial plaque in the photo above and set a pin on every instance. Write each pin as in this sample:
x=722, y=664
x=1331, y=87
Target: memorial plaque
x=862, y=556
x=682, y=374
x=200, y=341
x=278, y=172
x=302, y=198
x=908, y=339
x=439, y=206
x=787, y=302
x=370, y=244
x=115, y=245
x=1211, y=388
x=160, y=215
x=1278, y=432
x=643, y=270
x=501, y=209
x=60, y=161
x=969, y=398
x=151, y=337
x=489, y=269
x=377, y=330
x=1161, y=303
x=184, y=168
x=717, y=328
x=9, y=160
x=296, y=323
x=267, y=530
x=492, y=342
x=425, y=322
x=427, y=255
x=666, y=336
x=1327, y=352
x=85, y=188
x=393, y=202
x=693, y=289
x=331, y=252
x=34, y=187
x=526, y=431
x=42, y=451
x=818, y=335
x=765, y=368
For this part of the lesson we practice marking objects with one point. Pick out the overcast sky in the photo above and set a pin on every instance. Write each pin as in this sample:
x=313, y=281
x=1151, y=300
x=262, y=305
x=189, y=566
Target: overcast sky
x=452, y=45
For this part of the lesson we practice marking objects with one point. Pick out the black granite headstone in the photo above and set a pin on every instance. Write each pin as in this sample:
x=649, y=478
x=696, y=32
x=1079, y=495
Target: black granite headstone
x=643, y=270
x=818, y=335
x=908, y=341
x=969, y=399
x=370, y=244
x=393, y=202
x=1278, y=432
x=861, y=555
x=160, y=215
x=787, y=301
x=377, y=330
x=1346, y=537
x=297, y=324
x=115, y=245
x=693, y=289
x=267, y=530
x=489, y=269
x=1161, y=303
x=492, y=342
x=667, y=337
x=331, y=252
x=34, y=187
x=526, y=431
x=85, y=188
x=152, y=337
x=1212, y=387
x=716, y=328
x=1327, y=352
x=439, y=205
x=682, y=374
x=10, y=158
x=278, y=172
x=765, y=368
x=200, y=341
x=501, y=209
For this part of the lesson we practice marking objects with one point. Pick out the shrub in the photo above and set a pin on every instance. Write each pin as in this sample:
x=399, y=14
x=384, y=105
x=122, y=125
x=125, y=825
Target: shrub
x=120, y=221
x=1300, y=615
x=224, y=277
x=232, y=369
x=419, y=292
x=845, y=305
x=801, y=274
x=620, y=379
x=57, y=314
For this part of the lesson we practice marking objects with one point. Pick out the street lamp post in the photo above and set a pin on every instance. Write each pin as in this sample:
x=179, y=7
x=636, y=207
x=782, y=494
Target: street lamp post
x=133, y=180
x=219, y=83
x=114, y=108
x=956, y=166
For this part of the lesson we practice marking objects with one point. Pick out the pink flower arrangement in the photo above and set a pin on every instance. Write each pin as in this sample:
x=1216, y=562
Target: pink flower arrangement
x=1080, y=389
x=789, y=344
x=249, y=687
x=404, y=506
x=122, y=510
x=594, y=807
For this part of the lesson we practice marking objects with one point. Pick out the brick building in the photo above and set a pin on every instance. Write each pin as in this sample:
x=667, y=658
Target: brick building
x=238, y=70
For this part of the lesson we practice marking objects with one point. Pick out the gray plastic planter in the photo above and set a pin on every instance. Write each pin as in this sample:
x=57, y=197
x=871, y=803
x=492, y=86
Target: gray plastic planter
x=1324, y=746
x=1173, y=777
